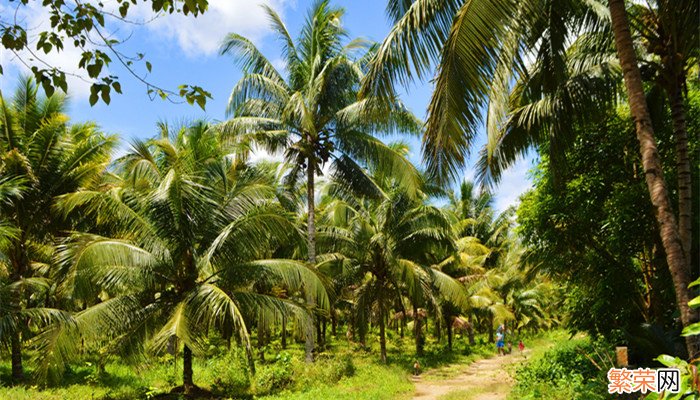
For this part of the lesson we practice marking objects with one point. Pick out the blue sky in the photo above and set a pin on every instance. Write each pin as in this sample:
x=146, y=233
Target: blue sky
x=183, y=50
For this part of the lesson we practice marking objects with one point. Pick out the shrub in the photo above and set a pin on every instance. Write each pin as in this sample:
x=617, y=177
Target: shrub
x=230, y=374
x=274, y=377
x=563, y=373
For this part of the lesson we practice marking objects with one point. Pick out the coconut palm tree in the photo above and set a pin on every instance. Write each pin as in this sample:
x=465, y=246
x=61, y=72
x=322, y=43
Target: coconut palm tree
x=313, y=114
x=541, y=109
x=667, y=32
x=311, y=111
x=479, y=47
x=387, y=249
x=678, y=264
x=182, y=250
x=41, y=157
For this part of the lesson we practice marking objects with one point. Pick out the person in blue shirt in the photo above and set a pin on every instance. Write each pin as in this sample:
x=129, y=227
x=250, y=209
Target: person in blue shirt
x=500, y=346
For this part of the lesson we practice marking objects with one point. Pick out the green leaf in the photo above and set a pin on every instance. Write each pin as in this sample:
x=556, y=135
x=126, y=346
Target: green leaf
x=105, y=94
x=201, y=102
x=94, y=70
x=93, y=96
x=148, y=66
x=694, y=303
x=48, y=87
x=124, y=9
x=671, y=361
x=691, y=330
x=695, y=283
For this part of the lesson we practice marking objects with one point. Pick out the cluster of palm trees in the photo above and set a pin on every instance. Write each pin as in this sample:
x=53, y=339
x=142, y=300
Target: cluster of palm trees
x=539, y=66
x=182, y=236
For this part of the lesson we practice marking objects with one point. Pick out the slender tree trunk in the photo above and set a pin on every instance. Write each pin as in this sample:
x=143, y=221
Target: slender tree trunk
x=490, y=322
x=320, y=332
x=448, y=327
x=261, y=340
x=187, y=383
x=19, y=264
x=334, y=323
x=16, y=349
x=685, y=199
x=470, y=331
x=382, y=335
x=417, y=331
x=284, y=332
x=311, y=226
x=438, y=329
x=311, y=204
x=668, y=228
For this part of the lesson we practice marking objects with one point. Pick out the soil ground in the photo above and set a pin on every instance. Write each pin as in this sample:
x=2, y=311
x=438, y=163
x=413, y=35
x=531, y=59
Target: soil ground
x=485, y=379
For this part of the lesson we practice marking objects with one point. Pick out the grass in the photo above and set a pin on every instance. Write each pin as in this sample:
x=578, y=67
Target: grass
x=558, y=369
x=342, y=371
x=372, y=381
x=464, y=394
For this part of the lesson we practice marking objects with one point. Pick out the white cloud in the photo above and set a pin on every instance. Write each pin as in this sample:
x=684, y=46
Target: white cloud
x=514, y=182
x=195, y=36
x=202, y=35
x=35, y=19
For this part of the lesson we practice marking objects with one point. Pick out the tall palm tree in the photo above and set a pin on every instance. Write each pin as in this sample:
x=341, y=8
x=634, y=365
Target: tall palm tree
x=480, y=47
x=182, y=250
x=678, y=263
x=41, y=157
x=387, y=249
x=313, y=113
x=542, y=105
x=667, y=30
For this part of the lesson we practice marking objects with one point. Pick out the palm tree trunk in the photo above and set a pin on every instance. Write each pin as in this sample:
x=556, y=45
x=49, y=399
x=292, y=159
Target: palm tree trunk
x=685, y=200
x=311, y=226
x=668, y=228
x=16, y=350
x=334, y=323
x=448, y=327
x=382, y=335
x=417, y=331
x=261, y=340
x=311, y=221
x=19, y=266
x=187, y=382
x=284, y=332
x=470, y=332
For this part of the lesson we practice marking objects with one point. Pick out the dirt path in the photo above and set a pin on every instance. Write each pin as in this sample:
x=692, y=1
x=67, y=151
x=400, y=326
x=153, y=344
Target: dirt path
x=485, y=379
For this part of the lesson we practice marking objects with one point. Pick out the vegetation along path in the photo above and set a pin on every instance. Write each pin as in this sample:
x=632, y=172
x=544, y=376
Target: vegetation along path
x=486, y=379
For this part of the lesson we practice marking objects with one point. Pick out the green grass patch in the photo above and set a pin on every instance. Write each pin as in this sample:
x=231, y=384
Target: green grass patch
x=559, y=368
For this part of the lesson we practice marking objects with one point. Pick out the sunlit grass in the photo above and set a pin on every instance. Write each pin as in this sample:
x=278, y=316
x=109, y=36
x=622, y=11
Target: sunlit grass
x=343, y=371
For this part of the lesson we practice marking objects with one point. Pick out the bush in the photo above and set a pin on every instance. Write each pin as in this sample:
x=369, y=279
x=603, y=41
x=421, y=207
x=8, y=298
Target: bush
x=230, y=374
x=326, y=370
x=563, y=373
x=274, y=377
